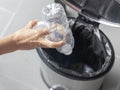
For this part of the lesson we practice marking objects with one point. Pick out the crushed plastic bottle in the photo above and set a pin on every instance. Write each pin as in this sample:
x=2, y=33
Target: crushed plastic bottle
x=57, y=33
x=54, y=15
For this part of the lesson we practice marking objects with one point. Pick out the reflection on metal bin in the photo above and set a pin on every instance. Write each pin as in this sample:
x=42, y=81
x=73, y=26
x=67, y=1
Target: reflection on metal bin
x=92, y=58
x=102, y=11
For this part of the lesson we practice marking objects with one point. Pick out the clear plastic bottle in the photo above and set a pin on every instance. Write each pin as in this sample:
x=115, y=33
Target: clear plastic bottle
x=54, y=14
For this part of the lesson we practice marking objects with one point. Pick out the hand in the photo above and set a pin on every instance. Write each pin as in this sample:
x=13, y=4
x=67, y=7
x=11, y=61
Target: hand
x=28, y=38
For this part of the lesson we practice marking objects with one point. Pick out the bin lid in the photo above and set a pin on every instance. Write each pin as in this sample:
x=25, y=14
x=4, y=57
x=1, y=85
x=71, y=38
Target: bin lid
x=102, y=11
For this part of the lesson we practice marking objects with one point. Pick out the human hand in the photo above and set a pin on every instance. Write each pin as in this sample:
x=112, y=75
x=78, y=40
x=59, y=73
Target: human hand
x=28, y=38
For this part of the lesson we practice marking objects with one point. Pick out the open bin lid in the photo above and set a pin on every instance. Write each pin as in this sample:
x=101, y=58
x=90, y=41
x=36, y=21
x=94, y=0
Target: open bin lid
x=102, y=11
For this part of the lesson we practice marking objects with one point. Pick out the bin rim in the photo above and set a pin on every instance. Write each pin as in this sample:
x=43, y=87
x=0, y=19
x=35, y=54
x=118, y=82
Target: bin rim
x=73, y=77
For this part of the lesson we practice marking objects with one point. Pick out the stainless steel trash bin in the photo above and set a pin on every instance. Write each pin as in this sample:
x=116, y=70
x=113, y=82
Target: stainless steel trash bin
x=93, y=55
x=86, y=67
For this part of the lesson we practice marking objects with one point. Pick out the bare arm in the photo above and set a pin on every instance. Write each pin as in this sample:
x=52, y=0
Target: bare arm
x=26, y=39
x=7, y=44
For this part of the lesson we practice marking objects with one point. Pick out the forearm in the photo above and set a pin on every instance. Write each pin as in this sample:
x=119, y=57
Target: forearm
x=27, y=39
x=7, y=44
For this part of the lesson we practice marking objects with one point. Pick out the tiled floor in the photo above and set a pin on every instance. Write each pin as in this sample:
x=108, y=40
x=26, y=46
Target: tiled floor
x=20, y=74
x=24, y=73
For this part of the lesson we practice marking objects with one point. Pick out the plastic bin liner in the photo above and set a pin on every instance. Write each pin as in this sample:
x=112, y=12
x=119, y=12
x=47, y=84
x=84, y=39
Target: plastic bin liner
x=91, y=56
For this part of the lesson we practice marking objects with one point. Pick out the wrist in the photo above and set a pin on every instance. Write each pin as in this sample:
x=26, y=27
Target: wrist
x=8, y=44
x=14, y=41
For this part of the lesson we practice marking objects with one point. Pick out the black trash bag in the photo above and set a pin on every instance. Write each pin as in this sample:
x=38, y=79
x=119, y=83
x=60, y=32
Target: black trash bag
x=89, y=45
x=92, y=54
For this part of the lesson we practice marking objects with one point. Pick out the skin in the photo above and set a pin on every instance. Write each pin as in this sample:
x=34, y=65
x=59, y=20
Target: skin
x=26, y=39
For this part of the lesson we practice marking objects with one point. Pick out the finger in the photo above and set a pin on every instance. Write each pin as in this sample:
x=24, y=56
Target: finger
x=46, y=44
x=50, y=44
x=43, y=32
x=52, y=28
x=31, y=24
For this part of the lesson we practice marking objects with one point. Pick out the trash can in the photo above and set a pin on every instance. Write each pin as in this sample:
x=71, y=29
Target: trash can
x=92, y=58
x=93, y=54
